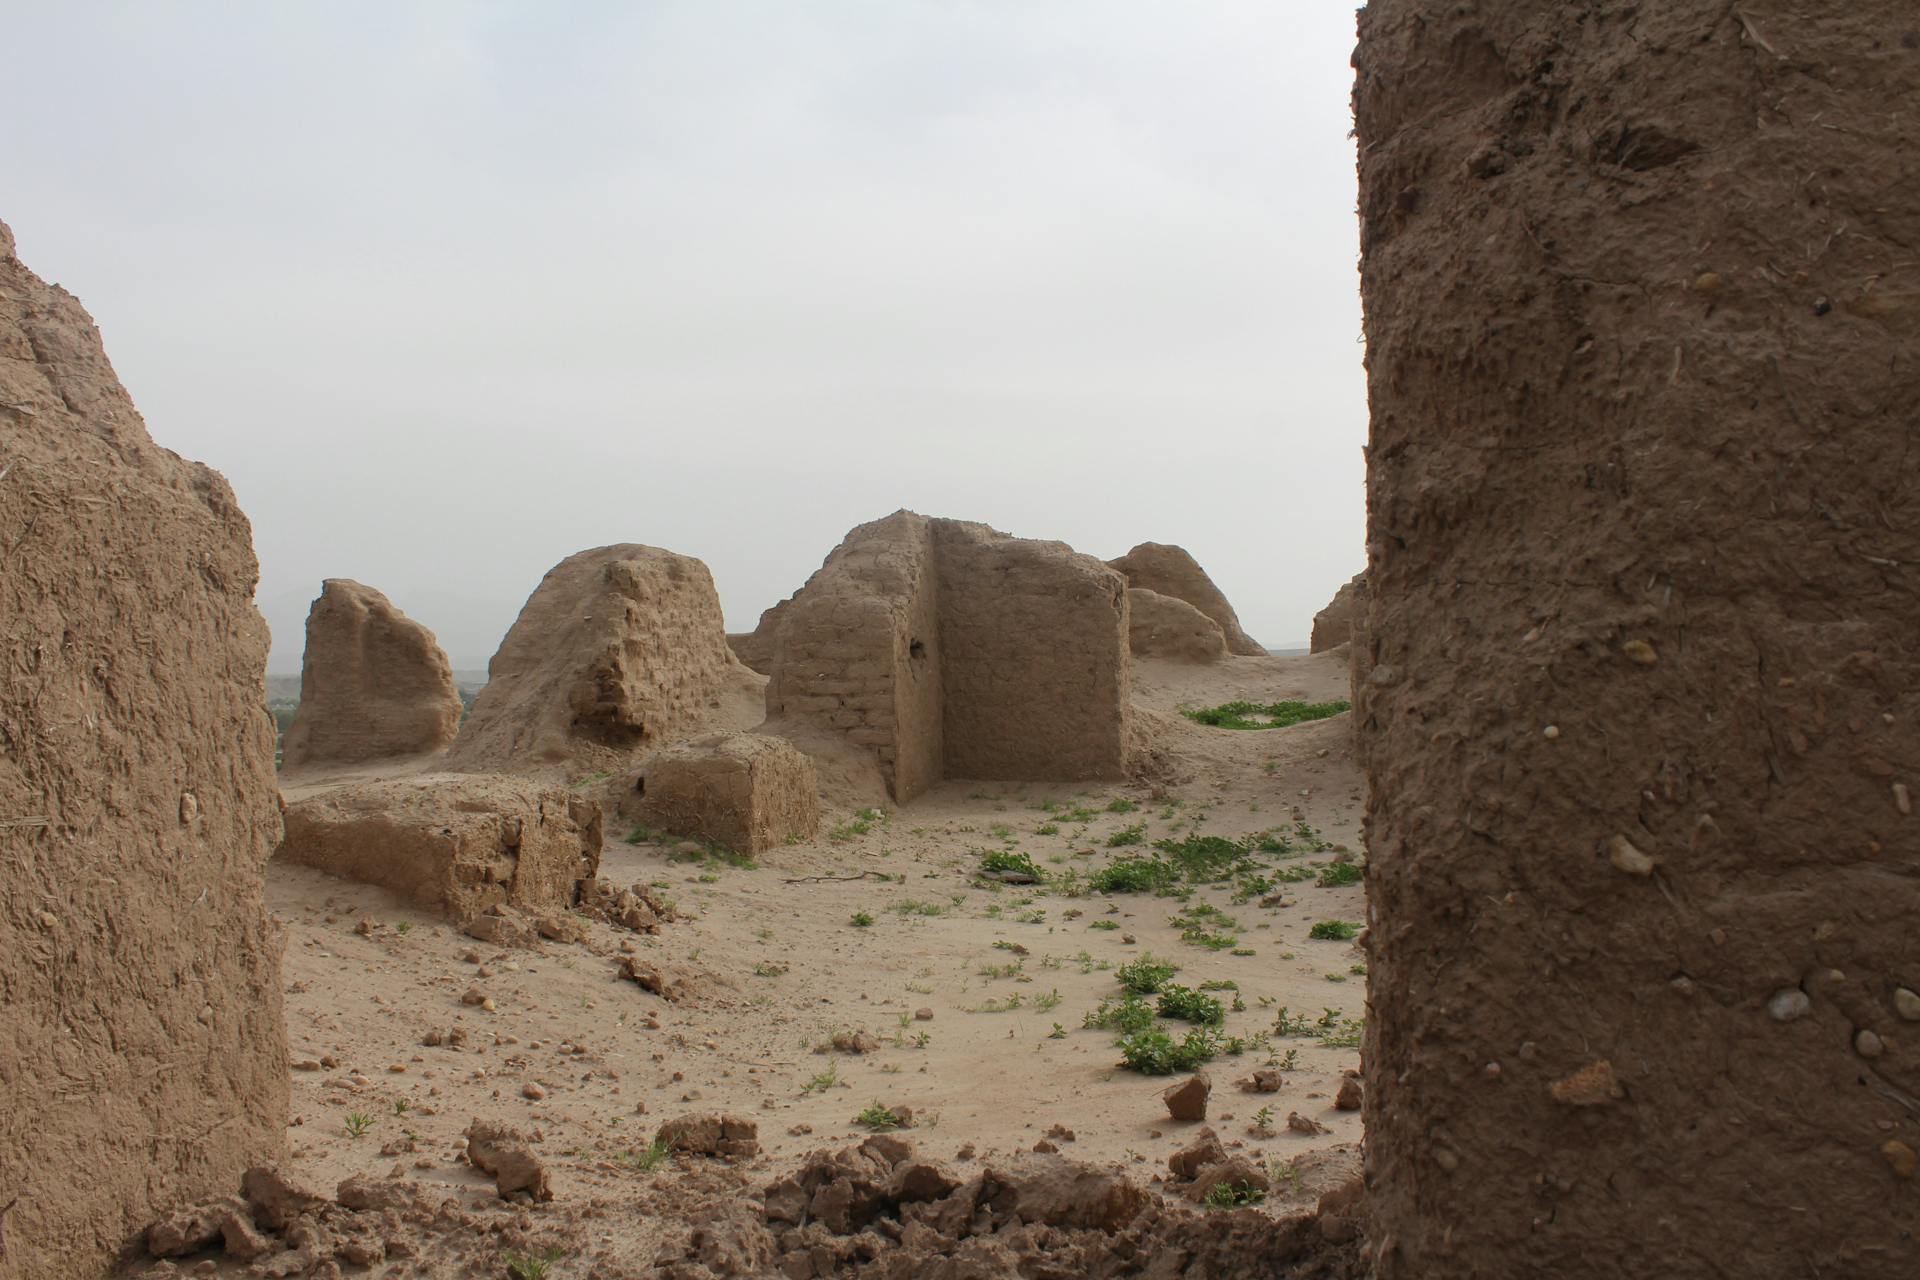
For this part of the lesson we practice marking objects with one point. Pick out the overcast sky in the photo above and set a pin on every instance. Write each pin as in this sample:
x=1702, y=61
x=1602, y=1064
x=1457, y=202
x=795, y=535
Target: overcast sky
x=450, y=291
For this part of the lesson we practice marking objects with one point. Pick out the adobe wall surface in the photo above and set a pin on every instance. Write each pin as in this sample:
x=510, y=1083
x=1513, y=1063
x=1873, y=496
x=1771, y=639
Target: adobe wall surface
x=747, y=792
x=455, y=844
x=1172, y=571
x=918, y=633
x=374, y=683
x=1333, y=625
x=1641, y=302
x=1162, y=627
x=847, y=664
x=619, y=649
x=143, y=1055
x=1035, y=665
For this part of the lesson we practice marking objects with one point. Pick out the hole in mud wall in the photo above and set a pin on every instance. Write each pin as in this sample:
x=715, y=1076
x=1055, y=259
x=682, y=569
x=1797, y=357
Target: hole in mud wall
x=917, y=650
x=640, y=786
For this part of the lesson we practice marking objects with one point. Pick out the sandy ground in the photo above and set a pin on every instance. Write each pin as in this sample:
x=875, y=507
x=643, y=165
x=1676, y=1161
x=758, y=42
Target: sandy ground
x=593, y=1064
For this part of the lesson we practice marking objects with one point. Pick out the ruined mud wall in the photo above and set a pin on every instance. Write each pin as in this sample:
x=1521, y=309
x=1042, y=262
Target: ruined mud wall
x=1035, y=657
x=619, y=649
x=1172, y=571
x=143, y=1056
x=856, y=651
x=374, y=683
x=1333, y=625
x=1641, y=301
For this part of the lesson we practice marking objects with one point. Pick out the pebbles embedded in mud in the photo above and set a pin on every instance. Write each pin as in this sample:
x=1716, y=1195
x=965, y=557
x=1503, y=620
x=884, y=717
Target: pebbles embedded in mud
x=1550, y=732
x=1788, y=1004
x=1907, y=1004
x=1446, y=1159
x=1901, y=1158
x=1641, y=652
x=1868, y=1044
x=1627, y=857
x=1902, y=798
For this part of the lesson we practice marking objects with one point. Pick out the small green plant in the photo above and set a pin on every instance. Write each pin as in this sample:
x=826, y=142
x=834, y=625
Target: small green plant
x=1333, y=930
x=1279, y=1171
x=1049, y=1001
x=401, y=1106
x=1189, y=1005
x=860, y=919
x=1104, y=925
x=1220, y=984
x=1130, y=875
x=1234, y=1195
x=878, y=1118
x=1291, y=1024
x=1347, y=1035
x=1136, y=834
x=357, y=1124
x=639, y=835
x=1008, y=1005
x=1337, y=874
x=1047, y=829
x=403, y=928
x=1122, y=805
x=1128, y=1015
x=769, y=969
x=1264, y=715
x=1059, y=1032
x=1007, y=862
x=1263, y=1120
x=532, y=1266
x=648, y=1159
x=824, y=1080
x=1153, y=1052
x=1146, y=974
x=914, y=907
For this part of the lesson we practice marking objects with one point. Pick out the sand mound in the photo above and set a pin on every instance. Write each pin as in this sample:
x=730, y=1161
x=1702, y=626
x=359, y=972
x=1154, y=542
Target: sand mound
x=373, y=684
x=743, y=791
x=619, y=650
x=142, y=1048
x=1334, y=625
x=1169, y=570
x=461, y=845
x=951, y=650
x=1163, y=627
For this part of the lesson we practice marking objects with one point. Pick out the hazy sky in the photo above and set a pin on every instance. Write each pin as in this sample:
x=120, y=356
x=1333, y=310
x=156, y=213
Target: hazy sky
x=452, y=290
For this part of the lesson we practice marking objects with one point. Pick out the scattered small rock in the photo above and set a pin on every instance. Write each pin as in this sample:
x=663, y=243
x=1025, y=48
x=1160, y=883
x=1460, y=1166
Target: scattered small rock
x=926, y=1015
x=502, y=1151
x=850, y=1042
x=1868, y=1044
x=533, y=1090
x=1907, y=1004
x=730, y=1137
x=1298, y=1123
x=1264, y=1080
x=1901, y=1158
x=1350, y=1096
x=1187, y=1101
x=1204, y=1151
